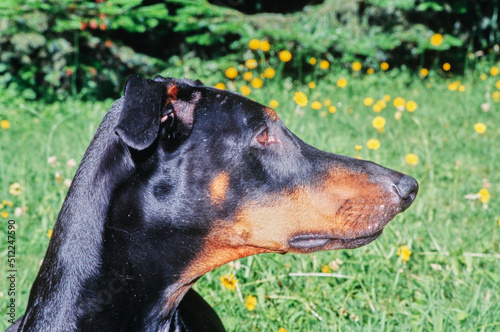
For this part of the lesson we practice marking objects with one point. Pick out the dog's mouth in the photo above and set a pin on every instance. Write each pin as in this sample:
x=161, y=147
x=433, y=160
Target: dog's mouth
x=315, y=242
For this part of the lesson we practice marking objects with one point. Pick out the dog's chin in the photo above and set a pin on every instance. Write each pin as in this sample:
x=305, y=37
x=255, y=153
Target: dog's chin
x=306, y=243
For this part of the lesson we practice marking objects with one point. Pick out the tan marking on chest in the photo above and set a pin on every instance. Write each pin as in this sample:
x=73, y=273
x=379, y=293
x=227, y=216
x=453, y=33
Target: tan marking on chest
x=271, y=114
x=218, y=188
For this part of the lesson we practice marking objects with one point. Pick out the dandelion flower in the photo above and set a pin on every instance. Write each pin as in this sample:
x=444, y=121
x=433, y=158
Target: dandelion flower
x=368, y=101
x=446, y=66
x=356, y=66
x=300, y=98
x=323, y=114
x=379, y=123
x=436, y=40
x=484, y=195
x=49, y=233
x=461, y=88
x=254, y=44
x=269, y=73
x=251, y=63
x=358, y=147
x=483, y=77
x=494, y=71
x=325, y=269
x=15, y=189
x=251, y=303
x=496, y=96
x=324, y=64
x=373, y=144
x=273, y=103
x=220, y=86
x=398, y=115
x=342, y=83
x=316, y=105
x=332, y=109
x=229, y=281
x=327, y=102
x=497, y=85
x=4, y=214
x=387, y=98
x=245, y=90
x=5, y=124
x=453, y=86
x=281, y=329
x=405, y=253
x=285, y=56
x=247, y=76
x=370, y=71
x=411, y=159
x=312, y=61
x=71, y=163
x=264, y=45
x=231, y=72
x=411, y=106
x=257, y=83
x=384, y=66
x=424, y=72
x=311, y=85
x=399, y=102
x=480, y=128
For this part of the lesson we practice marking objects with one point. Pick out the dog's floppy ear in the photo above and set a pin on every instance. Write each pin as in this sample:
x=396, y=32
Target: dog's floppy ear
x=140, y=117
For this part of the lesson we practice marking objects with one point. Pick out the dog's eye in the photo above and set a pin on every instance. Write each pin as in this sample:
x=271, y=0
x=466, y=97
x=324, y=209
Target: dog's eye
x=265, y=139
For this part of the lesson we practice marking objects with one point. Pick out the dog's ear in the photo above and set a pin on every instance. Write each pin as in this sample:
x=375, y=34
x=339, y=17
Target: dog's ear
x=148, y=103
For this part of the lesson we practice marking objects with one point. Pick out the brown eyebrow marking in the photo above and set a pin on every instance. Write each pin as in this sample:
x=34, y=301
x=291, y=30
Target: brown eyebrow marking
x=172, y=92
x=271, y=114
x=218, y=188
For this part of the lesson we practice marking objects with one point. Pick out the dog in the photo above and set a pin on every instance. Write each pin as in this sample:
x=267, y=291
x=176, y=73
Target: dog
x=181, y=178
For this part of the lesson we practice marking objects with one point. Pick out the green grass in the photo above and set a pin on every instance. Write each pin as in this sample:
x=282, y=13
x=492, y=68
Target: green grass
x=459, y=237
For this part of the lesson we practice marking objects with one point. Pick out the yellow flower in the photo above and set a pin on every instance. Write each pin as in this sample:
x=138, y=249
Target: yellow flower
x=384, y=66
x=325, y=269
x=356, y=66
x=311, y=85
x=379, y=123
x=15, y=189
x=494, y=71
x=484, y=195
x=411, y=106
x=398, y=115
x=300, y=98
x=269, y=73
x=4, y=214
x=257, y=83
x=251, y=303
x=324, y=64
x=373, y=144
x=446, y=66
x=49, y=233
x=399, y=102
x=247, y=76
x=332, y=109
x=461, y=88
x=323, y=114
x=312, y=61
x=285, y=56
x=436, y=39
x=358, y=147
x=370, y=71
x=264, y=45
x=5, y=124
x=229, y=281
x=497, y=84
x=282, y=330
x=254, y=44
x=411, y=159
x=453, y=86
x=387, y=98
x=424, y=72
x=245, y=90
x=327, y=102
x=405, y=253
x=221, y=86
x=231, y=72
x=496, y=96
x=368, y=101
x=483, y=77
x=480, y=128
x=273, y=103
x=251, y=63
x=316, y=105
x=377, y=108
x=342, y=83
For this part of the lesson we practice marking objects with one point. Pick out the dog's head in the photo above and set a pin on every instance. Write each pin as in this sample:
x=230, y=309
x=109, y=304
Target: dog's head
x=224, y=174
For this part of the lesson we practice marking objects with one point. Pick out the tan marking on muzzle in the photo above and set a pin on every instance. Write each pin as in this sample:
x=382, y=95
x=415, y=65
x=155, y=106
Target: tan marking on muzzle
x=271, y=114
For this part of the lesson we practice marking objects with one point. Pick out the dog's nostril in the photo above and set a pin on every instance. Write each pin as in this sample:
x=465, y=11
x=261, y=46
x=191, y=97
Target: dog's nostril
x=407, y=188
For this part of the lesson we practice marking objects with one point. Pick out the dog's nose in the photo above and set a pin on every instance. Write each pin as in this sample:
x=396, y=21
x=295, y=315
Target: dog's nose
x=407, y=188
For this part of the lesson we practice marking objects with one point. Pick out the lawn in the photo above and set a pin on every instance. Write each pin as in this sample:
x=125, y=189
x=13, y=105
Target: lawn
x=449, y=282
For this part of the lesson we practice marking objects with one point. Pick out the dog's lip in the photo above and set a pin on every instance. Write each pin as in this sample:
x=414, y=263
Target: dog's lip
x=316, y=241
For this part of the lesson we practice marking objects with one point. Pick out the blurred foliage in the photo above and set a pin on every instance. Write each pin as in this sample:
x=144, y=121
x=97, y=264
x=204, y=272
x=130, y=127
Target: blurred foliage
x=54, y=49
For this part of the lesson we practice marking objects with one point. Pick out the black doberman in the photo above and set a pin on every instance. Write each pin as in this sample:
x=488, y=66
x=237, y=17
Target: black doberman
x=179, y=179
